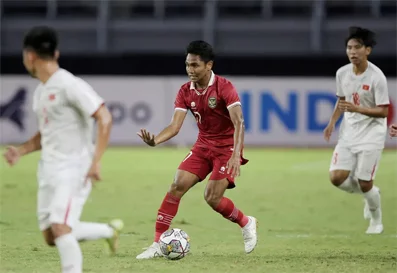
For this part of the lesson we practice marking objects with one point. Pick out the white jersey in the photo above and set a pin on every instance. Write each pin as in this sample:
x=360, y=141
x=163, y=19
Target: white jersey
x=64, y=106
x=367, y=90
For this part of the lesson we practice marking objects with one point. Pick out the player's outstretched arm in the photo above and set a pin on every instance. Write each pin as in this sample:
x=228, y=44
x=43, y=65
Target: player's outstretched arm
x=169, y=132
x=13, y=154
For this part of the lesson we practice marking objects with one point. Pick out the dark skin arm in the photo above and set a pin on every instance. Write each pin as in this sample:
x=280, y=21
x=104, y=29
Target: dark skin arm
x=233, y=165
x=167, y=133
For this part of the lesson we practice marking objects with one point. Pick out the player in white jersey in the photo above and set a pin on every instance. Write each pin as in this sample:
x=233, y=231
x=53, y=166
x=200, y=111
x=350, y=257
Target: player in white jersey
x=393, y=130
x=363, y=99
x=66, y=108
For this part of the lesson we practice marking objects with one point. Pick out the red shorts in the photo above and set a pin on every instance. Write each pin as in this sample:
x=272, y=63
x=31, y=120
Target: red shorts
x=203, y=161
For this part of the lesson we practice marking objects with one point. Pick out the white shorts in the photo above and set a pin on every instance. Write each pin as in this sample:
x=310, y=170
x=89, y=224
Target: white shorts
x=63, y=191
x=364, y=164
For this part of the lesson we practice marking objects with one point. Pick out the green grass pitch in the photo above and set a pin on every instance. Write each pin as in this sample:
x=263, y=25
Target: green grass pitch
x=306, y=225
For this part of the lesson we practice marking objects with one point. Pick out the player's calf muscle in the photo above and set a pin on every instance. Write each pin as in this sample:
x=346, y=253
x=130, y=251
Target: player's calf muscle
x=49, y=237
x=365, y=185
x=337, y=177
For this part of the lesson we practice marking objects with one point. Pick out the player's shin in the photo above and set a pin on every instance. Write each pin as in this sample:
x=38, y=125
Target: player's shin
x=372, y=198
x=70, y=253
x=85, y=231
x=228, y=210
x=165, y=215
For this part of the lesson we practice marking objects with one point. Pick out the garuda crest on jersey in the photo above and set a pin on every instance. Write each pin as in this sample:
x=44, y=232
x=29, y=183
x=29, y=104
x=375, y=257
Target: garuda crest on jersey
x=212, y=102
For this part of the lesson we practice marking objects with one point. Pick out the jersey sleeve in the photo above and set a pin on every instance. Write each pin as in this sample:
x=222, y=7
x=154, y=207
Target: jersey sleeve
x=339, y=90
x=180, y=102
x=81, y=95
x=381, y=92
x=230, y=95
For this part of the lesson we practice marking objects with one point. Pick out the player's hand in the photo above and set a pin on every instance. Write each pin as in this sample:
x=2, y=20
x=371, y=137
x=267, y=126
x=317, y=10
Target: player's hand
x=328, y=131
x=346, y=106
x=147, y=137
x=12, y=155
x=233, y=166
x=94, y=172
x=393, y=130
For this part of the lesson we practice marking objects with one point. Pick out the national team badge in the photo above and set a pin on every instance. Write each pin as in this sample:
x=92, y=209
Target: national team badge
x=212, y=102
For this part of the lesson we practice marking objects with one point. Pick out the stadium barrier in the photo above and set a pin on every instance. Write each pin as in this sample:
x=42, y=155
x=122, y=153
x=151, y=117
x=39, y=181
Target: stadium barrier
x=278, y=111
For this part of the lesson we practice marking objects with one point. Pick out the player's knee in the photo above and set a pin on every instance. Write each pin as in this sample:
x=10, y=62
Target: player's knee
x=178, y=188
x=365, y=185
x=212, y=198
x=60, y=229
x=338, y=177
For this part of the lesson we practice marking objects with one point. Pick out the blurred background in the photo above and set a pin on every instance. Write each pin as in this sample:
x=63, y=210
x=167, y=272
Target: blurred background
x=281, y=55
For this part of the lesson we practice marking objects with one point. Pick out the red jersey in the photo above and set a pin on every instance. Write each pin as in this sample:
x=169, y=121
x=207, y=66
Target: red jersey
x=210, y=108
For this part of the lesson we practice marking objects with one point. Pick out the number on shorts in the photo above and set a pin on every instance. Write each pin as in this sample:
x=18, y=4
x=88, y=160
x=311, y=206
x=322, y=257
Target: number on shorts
x=189, y=155
x=356, y=98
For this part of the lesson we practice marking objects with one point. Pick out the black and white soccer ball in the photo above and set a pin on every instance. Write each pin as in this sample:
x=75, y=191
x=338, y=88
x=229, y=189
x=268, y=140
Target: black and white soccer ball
x=174, y=244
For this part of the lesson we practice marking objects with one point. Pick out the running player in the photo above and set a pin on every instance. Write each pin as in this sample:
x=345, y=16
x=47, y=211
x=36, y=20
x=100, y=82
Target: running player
x=363, y=98
x=214, y=102
x=66, y=107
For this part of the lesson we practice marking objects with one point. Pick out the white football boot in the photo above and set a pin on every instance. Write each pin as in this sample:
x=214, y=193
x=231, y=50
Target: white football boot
x=152, y=251
x=249, y=234
x=117, y=225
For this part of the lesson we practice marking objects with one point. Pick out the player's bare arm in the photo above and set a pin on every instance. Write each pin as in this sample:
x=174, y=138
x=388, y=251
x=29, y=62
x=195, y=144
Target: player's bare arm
x=380, y=111
x=169, y=132
x=236, y=115
x=12, y=154
x=334, y=118
x=104, y=123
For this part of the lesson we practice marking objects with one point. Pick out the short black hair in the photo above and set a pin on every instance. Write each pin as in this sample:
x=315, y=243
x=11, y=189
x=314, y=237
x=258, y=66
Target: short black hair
x=202, y=49
x=42, y=40
x=363, y=35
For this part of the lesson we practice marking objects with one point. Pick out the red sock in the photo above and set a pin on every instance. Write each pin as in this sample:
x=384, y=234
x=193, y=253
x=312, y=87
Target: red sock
x=166, y=213
x=229, y=211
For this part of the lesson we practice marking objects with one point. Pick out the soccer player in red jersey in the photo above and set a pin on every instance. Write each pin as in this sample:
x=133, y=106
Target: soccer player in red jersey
x=214, y=102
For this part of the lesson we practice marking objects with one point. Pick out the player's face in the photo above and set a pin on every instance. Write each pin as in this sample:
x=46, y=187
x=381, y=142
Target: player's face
x=196, y=68
x=28, y=61
x=356, y=51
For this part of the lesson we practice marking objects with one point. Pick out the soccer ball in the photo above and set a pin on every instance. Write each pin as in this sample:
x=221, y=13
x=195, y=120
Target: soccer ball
x=174, y=244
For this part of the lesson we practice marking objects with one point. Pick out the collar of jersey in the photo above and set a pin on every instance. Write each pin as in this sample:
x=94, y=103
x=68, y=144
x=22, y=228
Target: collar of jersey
x=211, y=82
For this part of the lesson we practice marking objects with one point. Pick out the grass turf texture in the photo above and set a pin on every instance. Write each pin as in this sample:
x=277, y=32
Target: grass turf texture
x=306, y=225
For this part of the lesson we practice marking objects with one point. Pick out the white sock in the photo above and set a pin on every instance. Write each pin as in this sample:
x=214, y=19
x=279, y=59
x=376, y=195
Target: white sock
x=373, y=199
x=70, y=254
x=85, y=231
x=350, y=185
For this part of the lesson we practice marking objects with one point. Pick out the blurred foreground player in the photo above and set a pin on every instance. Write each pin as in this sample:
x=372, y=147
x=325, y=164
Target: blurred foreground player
x=393, y=130
x=66, y=107
x=214, y=102
x=363, y=98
